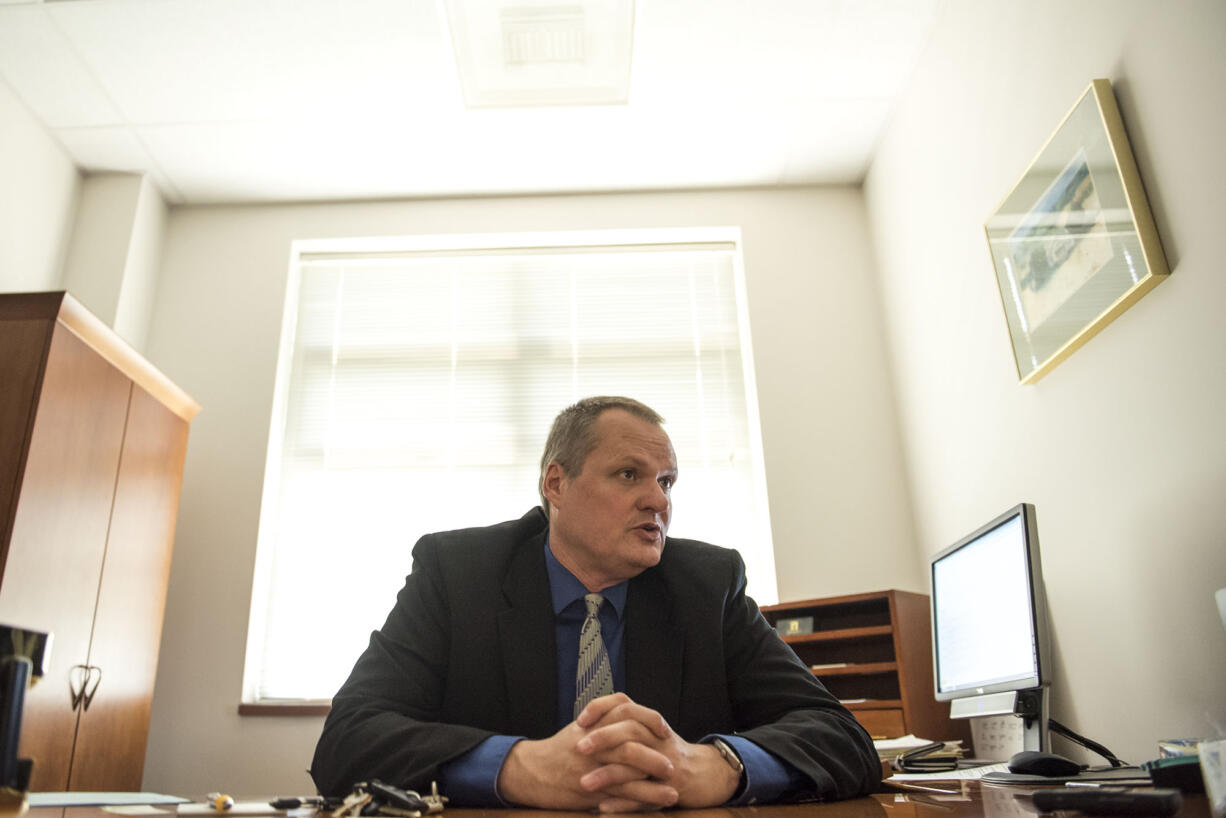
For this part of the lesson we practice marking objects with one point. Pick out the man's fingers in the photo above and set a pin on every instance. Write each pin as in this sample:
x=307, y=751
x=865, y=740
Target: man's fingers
x=605, y=737
x=609, y=775
x=629, y=710
x=643, y=791
x=613, y=805
x=650, y=763
x=598, y=707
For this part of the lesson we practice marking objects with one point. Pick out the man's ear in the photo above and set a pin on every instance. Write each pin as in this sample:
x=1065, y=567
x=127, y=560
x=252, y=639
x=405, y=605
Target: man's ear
x=554, y=483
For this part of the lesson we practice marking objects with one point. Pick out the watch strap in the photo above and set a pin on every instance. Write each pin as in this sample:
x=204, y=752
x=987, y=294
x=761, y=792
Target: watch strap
x=729, y=755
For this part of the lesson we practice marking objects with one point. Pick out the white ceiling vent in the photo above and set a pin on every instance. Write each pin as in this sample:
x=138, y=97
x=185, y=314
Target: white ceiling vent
x=532, y=34
x=523, y=53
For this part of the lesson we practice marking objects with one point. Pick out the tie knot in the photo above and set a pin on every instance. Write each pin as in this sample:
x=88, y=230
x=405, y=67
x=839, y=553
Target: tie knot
x=593, y=603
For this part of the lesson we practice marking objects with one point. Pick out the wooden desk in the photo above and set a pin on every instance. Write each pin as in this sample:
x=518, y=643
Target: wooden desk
x=957, y=799
x=971, y=799
x=940, y=799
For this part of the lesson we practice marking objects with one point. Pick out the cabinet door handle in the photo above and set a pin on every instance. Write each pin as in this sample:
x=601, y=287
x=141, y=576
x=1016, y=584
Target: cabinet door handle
x=97, y=679
x=78, y=677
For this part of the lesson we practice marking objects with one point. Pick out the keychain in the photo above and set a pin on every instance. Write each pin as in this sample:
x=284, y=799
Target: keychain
x=376, y=798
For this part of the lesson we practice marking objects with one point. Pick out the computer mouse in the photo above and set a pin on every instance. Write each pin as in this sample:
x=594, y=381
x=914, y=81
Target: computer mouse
x=1032, y=762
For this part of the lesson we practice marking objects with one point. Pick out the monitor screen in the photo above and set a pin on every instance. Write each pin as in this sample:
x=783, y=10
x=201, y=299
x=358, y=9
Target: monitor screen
x=989, y=620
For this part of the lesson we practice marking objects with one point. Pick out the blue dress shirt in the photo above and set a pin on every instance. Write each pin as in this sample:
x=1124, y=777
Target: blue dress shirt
x=470, y=780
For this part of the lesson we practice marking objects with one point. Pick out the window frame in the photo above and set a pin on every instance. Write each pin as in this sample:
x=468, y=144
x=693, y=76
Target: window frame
x=304, y=250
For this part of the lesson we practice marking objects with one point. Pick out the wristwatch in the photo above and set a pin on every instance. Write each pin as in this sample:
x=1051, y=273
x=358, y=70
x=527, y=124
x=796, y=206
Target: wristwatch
x=734, y=761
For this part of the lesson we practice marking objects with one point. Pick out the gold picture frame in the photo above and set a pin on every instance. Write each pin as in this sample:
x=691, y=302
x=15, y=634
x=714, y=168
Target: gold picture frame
x=1074, y=243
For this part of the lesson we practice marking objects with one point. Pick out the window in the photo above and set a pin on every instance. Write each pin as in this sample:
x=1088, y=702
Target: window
x=417, y=382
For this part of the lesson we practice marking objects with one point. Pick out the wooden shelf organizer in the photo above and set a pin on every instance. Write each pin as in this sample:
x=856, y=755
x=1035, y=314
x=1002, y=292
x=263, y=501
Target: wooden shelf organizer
x=874, y=652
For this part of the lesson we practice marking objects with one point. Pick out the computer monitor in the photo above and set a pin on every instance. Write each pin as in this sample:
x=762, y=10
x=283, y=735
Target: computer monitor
x=989, y=624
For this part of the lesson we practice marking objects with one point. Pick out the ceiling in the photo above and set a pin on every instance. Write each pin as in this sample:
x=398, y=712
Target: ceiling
x=291, y=100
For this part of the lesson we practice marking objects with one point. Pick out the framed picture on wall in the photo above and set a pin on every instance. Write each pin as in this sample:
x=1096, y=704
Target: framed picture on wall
x=1074, y=243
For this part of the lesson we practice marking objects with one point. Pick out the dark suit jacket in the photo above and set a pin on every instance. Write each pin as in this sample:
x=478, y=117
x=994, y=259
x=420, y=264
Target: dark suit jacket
x=468, y=652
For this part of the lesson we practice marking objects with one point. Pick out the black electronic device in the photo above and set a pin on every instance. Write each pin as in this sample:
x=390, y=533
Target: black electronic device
x=1033, y=762
x=930, y=758
x=989, y=624
x=1182, y=773
x=1106, y=801
x=23, y=657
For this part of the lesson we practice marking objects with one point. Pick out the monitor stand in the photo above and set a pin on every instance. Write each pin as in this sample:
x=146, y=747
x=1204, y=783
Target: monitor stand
x=1028, y=705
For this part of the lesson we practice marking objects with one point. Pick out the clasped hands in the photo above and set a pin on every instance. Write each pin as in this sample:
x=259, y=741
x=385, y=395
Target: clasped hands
x=617, y=756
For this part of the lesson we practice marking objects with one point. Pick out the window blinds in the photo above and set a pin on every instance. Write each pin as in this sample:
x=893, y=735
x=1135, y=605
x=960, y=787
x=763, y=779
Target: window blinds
x=416, y=391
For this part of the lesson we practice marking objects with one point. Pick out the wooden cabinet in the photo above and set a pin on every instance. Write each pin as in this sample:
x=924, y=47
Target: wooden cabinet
x=874, y=652
x=92, y=443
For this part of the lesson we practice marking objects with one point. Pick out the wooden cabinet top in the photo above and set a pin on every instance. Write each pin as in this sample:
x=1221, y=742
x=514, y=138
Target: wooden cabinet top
x=63, y=308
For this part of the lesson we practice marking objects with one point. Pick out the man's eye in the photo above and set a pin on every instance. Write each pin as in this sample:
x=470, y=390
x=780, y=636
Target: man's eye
x=627, y=473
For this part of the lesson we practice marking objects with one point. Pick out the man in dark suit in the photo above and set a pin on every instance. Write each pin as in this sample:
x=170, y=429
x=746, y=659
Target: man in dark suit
x=577, y=658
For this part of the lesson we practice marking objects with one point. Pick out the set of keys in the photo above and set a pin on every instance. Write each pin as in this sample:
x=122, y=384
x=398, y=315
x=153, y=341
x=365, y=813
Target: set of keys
x=376, y=798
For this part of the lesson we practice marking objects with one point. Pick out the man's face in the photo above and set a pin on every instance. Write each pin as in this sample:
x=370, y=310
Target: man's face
x=608, y=522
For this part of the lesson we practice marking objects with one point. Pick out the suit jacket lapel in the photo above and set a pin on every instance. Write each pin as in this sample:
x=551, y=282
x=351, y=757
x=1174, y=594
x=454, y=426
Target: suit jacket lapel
x=525, y=630
x=654, y=646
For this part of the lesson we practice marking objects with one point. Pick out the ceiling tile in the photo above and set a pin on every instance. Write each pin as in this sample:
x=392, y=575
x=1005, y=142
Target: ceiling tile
x=832, y=143
x=801, y=50
x=224, y=60
x=104, y=148
x=115, y=149
x=42, y=67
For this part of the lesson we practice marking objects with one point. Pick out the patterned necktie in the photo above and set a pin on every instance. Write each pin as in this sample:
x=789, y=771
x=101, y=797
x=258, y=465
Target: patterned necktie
x=593, y=677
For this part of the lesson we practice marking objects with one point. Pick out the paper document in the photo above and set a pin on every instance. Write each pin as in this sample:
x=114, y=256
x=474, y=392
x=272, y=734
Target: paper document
x=970, y=773
x=101, y=799
x=1115, y=775
x=907, y=742
x=891, y=748
x=244, y=808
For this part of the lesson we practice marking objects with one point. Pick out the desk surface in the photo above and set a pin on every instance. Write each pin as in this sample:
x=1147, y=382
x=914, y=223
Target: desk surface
x=939, y=799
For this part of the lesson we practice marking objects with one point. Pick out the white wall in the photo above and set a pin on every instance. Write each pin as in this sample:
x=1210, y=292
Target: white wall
x=838, y=502
x=114, y=257
x=1121, y=447
x=142, y=267
x=38, y=195
x=101, y=235
x=98, y=237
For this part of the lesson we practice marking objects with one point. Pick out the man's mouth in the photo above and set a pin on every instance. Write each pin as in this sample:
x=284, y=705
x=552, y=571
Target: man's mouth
x=649, y=528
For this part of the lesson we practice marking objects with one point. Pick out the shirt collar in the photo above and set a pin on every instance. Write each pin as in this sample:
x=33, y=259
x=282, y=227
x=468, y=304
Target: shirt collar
x=565, y=587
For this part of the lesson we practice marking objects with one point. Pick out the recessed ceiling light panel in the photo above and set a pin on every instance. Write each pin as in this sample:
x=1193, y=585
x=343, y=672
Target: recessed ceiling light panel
x=534, y=53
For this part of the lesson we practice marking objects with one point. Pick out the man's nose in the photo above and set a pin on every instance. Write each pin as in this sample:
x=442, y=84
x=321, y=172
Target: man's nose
x=655, y=497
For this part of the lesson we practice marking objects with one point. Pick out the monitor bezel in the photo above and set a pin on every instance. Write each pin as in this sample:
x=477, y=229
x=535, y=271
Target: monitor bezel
x=1038, y=597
